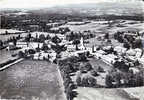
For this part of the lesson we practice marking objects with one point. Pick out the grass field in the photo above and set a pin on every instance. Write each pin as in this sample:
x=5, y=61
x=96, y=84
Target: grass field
x=31, y=79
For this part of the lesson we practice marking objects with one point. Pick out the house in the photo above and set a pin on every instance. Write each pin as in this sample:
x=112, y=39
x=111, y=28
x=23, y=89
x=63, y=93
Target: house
x=134, y=70
x=120, y=49
x=131, y=52
x=34, y=27
x=71, y=47
x=11, y=46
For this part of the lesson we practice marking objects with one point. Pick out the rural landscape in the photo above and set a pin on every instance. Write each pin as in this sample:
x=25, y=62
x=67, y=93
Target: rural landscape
x=73, y=52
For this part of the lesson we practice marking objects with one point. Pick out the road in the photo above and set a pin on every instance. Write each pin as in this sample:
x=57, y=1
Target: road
x=31, y=80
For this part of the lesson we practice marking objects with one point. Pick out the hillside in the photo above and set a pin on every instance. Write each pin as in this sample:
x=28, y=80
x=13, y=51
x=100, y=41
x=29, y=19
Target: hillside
x=104, y=8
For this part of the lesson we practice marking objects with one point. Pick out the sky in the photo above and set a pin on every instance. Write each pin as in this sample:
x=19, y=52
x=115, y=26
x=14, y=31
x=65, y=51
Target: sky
x=48, y=3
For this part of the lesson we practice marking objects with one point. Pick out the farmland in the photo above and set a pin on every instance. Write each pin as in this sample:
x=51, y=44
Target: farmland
x=30, y=80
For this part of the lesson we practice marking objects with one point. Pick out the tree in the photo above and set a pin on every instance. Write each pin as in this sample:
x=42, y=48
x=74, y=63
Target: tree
x=85, y=67
x=100, y=69
x=45, y=47
x=67, y=29
x=78, y=81
x=139, y=79
x=31, y=51
x=48, y=37
x=78, y=78
x=56, y=39
x=6, y=32
x=71, y=36
x=126, y=45
x=70, y=93
x=1, y=43
x=121, y=65
x=58, y=48
x=108, y=81
x=137, y=43
x=42, y=38
x=14, y=41
x=83, y=57
x=85, y=82
x=94, y=73
x=117, y=78
x=106, y=36
x=131, y=79
x=76, y=42
x=28, y=37
x=88, y=81
x=36, y=38
x=21, y=54
x=92, y=81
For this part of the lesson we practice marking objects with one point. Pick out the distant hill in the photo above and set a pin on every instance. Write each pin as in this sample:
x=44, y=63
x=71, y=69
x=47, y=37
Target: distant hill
x=104, y=8
x=112, y=10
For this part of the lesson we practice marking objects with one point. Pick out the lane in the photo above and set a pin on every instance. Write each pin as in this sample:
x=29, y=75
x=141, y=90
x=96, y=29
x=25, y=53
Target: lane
x=29, y=80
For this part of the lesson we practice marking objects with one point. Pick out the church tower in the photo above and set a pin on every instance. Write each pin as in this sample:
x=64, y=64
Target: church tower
x=82, y=47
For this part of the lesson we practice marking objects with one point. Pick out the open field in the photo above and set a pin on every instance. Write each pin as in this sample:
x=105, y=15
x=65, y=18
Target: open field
x=30, y=80
x=102, y=94
x=85, y=93
x=106, y=26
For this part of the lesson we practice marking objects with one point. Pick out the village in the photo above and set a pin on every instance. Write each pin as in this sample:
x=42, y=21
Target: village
x=85, y=58
x=72, y=52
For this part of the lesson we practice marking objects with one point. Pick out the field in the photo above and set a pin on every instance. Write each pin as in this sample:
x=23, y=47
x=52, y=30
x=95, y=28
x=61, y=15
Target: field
x=107, y=26
x=30, y=80
x=102, y=94
x=110, y=94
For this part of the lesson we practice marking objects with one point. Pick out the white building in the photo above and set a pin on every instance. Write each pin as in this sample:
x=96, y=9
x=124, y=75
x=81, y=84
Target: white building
x=82, y=46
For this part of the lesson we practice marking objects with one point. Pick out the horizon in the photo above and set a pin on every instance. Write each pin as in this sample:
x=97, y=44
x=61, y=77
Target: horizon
x=35, y=4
